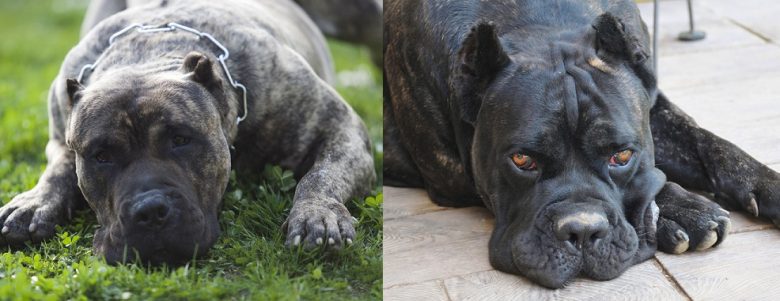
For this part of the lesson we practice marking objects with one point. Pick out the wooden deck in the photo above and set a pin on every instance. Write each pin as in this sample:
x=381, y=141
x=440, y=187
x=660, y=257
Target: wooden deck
x=729, y=82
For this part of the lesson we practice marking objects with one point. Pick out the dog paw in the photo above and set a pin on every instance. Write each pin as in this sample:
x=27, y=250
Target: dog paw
x=689, y=221
x=758, y=194
x=313, y=225
x=31, y=216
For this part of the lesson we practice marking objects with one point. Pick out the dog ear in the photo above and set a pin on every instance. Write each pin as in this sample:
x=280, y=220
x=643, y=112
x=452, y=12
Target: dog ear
x=74, y=89
x=613, y=38
x=480, y=58
x=200, y=69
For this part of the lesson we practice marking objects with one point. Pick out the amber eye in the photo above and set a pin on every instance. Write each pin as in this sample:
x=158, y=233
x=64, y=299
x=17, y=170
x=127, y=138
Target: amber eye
x=180, y=140
x=523, y=162
x=102, y=157
x=621, y=158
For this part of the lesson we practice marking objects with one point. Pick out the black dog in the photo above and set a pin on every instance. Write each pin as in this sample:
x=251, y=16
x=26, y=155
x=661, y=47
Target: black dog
x=547, y=113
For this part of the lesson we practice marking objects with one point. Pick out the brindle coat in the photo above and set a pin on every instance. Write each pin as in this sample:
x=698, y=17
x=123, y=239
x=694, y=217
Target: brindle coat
x=154, y=123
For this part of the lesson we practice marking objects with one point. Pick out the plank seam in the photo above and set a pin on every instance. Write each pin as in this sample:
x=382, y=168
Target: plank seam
x=669, y=277
x=444, y=287
x=750, y=30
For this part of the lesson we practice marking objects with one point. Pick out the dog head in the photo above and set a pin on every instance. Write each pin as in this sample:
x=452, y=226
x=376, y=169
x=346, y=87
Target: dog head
x=562, y=151
x=152, y=159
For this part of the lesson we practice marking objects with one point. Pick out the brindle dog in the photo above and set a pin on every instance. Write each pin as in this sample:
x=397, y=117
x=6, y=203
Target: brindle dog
x=146, y=140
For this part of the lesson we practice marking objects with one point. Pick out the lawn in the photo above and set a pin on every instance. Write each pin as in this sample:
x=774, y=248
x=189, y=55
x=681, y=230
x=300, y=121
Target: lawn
x=249, y=261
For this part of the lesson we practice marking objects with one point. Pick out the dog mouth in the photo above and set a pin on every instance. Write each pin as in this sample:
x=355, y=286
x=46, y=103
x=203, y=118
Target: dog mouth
x=172, y=246
x=544, y=257
x=154, y=250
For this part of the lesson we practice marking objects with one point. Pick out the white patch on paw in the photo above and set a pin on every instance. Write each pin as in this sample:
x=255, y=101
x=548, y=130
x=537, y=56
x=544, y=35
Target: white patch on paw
x=331, y=241
x=296, y=240
x=318, y=241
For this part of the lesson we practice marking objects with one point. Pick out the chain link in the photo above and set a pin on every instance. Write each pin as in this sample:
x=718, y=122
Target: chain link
x=140, y=28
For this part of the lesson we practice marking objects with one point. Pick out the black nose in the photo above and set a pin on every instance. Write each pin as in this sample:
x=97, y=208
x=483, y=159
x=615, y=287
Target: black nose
x=151, y=212
x=582, y=228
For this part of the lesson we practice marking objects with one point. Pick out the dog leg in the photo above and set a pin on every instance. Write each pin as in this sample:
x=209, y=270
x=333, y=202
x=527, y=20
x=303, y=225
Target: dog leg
x=342, y=169
x=32, y=215
x=697, y=159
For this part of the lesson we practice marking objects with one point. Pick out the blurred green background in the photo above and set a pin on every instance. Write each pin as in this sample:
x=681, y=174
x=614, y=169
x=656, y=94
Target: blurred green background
x=249, y=261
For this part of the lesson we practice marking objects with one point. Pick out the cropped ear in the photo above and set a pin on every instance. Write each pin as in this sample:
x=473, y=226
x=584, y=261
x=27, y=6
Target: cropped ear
x=613, y=39
x=199, y=68
x=480, y=58
x=74, y=89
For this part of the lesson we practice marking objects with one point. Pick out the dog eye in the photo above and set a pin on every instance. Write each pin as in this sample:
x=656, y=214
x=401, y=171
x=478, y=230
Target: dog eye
x=523, y=162
x=621, y=158
x=180, y=140
x=102, y=157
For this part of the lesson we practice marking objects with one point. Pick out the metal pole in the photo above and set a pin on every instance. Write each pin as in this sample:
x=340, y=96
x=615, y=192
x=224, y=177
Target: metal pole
x=692, y=34
x=655, y=38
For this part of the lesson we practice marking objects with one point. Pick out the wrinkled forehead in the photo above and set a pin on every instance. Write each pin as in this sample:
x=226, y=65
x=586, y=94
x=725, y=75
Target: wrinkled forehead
x=123, y=106
x=537, y=101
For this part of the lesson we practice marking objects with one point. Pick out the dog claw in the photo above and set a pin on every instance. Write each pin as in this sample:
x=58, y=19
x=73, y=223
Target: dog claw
x=724, y=211
x=318, y=241
x=682, y=242
x=708, y=241
x=331, y=241
x=726, y=224
x=753, y=207
x=296, y=240
x=713, y=225
x=349, y=240
x=6, y=230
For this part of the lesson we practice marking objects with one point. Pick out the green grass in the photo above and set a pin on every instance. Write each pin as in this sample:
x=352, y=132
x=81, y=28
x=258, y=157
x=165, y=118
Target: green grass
x=248, y=262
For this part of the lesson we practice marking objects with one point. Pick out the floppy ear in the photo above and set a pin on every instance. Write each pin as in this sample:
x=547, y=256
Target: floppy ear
x=613, y=39
x=200, y=69
x=74, y=89
x=480, y=58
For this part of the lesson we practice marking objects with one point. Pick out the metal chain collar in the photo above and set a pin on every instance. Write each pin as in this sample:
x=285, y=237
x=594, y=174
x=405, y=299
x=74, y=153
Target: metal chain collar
x=140, y=28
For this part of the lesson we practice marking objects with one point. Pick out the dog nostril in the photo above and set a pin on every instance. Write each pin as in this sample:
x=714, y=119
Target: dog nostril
x=573, y=240
x=582, y=228
x=151, y=213
x=597, y=235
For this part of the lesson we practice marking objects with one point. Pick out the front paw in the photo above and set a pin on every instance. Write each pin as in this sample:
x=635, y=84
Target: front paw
x=688, y=221
x=31, y=216
x=757, y=193
x=315, y=224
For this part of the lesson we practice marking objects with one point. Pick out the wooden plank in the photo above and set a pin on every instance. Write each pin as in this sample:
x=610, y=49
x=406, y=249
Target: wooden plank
x=743, y=222
x=718, y=66
x=673, y=19
x=744, y=267
x=641, y=282
x=732, y=101
x=423, y=231
x=436, y=245
x=430, y=290
x=406, y=202
x=761, y=16
x=745, y=112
